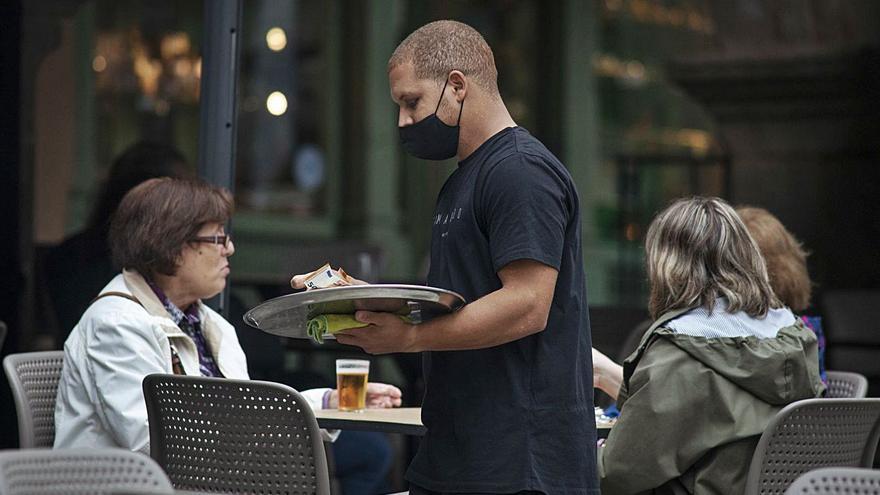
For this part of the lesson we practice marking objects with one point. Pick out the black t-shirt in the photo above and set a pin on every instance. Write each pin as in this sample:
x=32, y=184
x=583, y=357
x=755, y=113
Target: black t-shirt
x=518, y=416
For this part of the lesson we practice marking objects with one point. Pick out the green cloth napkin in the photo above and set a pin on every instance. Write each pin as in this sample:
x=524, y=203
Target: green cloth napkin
x=320, y=325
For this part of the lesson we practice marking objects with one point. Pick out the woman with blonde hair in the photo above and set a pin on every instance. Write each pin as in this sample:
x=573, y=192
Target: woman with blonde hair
x=786, y=266
x=722, y=357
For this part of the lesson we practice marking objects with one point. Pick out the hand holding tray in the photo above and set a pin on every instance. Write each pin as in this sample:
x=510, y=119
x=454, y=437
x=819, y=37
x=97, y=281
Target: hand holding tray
x=288, y=315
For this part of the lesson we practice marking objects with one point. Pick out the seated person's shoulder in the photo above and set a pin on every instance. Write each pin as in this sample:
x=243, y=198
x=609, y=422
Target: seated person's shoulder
x=109, y=301
x=115, y=315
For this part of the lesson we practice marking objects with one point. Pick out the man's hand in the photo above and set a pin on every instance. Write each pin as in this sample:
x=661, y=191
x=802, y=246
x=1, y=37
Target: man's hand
x=386, y=333
x=379, y=396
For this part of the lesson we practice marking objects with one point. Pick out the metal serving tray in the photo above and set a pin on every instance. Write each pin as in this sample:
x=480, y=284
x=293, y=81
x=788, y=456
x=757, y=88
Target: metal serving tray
x=287, y=315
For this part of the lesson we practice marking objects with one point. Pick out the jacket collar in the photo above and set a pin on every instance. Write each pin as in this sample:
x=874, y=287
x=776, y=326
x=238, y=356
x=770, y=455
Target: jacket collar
x=139, y=288
x=629, y=365
x=776, y=370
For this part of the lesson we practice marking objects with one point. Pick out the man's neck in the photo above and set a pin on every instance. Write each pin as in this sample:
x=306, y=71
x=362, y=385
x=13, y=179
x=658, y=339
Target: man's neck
x=485, y=122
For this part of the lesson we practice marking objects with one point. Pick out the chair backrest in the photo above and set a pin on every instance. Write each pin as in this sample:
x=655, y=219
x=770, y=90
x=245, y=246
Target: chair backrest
x=234, y=436
x=80, y=471
x=846, y=385
x=834, y=481
x=811, y=434
x=2, y=333
x=34, y=377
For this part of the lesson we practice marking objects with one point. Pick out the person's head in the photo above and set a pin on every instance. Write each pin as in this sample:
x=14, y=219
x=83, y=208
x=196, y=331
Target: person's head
x=440, y=47
x=139, y=162
x=697, y=250
x=785, y=257
x=435, y=69
x=164, y=228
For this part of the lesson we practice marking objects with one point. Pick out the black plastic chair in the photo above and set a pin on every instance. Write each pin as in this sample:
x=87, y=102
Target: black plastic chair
x=234, y=436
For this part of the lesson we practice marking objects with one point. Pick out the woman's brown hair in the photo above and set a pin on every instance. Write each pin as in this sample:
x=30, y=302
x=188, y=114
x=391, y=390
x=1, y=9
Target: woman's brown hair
x=697, y=250
x=158, y=217
x=785, y=257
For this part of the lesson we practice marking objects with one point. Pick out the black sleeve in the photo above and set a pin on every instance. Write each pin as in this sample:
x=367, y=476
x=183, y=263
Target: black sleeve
x=524, y=209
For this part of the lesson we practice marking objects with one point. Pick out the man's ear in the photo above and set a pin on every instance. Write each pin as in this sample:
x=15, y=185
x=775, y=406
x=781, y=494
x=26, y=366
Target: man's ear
x=459, y=83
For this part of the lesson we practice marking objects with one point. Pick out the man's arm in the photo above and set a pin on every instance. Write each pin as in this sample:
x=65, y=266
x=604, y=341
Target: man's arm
x=518, y=309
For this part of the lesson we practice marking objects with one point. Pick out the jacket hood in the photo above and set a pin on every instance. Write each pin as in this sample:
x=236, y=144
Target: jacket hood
x=777, y=367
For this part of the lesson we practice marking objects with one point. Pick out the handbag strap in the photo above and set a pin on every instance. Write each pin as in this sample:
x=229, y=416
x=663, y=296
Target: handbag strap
x=118, y=294
x=176, y=364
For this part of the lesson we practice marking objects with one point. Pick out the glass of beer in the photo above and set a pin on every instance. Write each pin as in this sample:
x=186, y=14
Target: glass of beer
x=351, y=383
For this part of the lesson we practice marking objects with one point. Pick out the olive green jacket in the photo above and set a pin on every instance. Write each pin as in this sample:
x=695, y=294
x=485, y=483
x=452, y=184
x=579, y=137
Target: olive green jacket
x=693, y=408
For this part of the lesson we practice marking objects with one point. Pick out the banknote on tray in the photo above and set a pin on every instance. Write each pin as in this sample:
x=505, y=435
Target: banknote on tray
x=325, y=277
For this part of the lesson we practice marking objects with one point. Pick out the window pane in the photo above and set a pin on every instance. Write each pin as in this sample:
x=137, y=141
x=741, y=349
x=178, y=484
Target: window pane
x=283, y=163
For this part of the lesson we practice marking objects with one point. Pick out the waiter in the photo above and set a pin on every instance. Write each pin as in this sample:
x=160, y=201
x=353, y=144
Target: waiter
x=509, y=400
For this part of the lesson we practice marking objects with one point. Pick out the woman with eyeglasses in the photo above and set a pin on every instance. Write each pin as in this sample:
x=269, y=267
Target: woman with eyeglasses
x=168, y=236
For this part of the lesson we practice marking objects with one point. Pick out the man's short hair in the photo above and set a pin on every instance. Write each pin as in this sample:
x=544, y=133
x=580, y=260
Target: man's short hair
x=156, y=220
x=440, y=47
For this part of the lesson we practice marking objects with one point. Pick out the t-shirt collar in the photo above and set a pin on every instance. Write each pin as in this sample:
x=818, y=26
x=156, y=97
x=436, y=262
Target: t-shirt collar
x=478, y=152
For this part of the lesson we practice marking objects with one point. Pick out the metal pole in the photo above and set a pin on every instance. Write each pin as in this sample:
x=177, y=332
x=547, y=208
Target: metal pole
x=218, y=109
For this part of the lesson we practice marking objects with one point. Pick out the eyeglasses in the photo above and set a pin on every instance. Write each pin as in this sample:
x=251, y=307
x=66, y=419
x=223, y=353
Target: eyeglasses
x=222, y=239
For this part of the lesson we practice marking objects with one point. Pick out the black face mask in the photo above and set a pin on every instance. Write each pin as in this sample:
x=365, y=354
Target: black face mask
x=430, y=138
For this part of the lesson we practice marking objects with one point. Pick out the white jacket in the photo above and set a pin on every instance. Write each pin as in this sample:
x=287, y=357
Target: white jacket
x=117, y=343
